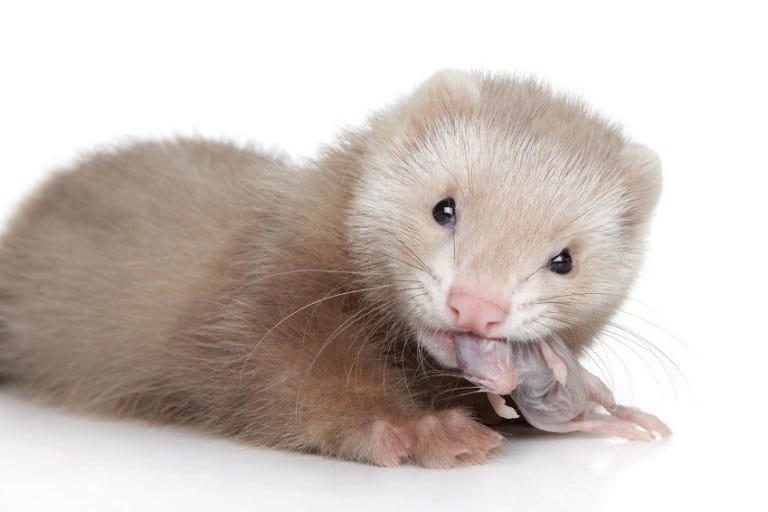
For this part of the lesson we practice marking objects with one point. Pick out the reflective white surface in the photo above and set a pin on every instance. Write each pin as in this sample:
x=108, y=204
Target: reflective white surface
x=688, y=81
x=52, y=460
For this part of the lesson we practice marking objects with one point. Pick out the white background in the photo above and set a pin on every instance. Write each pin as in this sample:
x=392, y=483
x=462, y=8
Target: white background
x=688, y=80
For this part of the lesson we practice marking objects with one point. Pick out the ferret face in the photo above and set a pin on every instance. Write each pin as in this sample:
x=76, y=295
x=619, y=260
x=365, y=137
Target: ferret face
x=490, y=206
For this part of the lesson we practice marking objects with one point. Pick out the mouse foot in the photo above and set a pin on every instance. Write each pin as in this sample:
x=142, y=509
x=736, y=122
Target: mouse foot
x=600, y=394
x=501, y=407
x=625, y=429
x=647, y=421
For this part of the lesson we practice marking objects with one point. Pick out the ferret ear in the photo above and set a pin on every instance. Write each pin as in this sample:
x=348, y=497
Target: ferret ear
x=446, y=91
x=449, y=89
x=642, y=171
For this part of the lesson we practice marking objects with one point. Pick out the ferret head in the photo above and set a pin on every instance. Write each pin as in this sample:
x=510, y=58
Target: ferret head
x=492, y=206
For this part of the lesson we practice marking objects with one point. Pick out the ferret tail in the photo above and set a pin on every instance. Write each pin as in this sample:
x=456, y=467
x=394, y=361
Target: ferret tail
x=3, y=341
x=5, y=336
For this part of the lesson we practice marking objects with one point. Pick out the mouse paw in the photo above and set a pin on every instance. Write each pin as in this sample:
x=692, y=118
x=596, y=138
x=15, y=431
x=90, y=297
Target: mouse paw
x=626, y=429
x=501, y=407
x=554, y=363
x=648, y=421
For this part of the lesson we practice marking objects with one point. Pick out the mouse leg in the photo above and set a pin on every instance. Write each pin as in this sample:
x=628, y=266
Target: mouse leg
x=607, y=426
x=644, y=419
x=360, y=419
x=627, y=423
x=600, y=394
x=501, y=407
x=553, y=362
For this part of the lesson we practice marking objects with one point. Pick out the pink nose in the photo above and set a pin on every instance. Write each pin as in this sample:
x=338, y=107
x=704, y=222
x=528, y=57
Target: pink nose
x=475, y=311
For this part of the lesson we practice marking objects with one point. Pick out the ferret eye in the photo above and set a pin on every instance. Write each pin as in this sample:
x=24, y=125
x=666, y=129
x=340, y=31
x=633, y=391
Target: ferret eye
x=561, y=264
x=444, y=212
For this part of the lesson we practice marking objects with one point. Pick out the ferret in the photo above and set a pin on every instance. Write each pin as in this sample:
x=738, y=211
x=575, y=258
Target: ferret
x=315, y=308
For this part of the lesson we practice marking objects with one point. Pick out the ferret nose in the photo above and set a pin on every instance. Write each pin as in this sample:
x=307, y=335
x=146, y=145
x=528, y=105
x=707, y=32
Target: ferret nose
x=475, y=311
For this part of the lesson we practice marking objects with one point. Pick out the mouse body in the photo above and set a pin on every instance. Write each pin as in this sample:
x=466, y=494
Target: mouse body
x=551, y=389
x=315, y=307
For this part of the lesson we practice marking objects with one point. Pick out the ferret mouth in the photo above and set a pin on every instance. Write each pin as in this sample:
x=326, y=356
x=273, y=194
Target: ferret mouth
x=485, y=362
x=447, y=338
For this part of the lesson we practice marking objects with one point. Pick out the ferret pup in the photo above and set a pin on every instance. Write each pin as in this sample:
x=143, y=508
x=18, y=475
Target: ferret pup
x=315, y=308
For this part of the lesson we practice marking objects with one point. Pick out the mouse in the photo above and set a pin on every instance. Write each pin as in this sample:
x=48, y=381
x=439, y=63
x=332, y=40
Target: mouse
x=315, y=306
x=550, y=387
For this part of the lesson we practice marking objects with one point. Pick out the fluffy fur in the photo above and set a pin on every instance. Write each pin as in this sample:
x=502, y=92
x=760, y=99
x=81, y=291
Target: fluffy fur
x=199, y=283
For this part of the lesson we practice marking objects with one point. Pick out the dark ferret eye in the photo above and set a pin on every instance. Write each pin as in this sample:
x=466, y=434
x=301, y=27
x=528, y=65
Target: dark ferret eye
x=444, y=212
x=561, y=264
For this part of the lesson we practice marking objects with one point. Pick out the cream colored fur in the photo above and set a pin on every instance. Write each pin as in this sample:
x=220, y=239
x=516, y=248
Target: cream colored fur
x=199, y=283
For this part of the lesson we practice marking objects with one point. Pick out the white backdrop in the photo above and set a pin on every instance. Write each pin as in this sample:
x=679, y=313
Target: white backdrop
x=688, y=80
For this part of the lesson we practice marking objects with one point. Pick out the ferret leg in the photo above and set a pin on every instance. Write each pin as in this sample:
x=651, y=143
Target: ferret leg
x=501, y=407
x=352, y=406
x=553, y=362
x=333, y=395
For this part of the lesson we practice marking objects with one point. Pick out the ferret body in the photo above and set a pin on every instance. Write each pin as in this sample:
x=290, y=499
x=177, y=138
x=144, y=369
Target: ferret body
x=316, y=308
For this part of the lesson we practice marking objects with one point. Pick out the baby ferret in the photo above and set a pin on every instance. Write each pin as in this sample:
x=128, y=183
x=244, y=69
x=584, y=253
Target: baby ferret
x=315, y=308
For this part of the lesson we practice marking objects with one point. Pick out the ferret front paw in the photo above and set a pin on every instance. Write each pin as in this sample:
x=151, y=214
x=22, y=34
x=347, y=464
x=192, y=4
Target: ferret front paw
x=436, y=440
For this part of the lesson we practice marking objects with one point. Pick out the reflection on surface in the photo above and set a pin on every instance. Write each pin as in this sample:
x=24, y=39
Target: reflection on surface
x=62, y=458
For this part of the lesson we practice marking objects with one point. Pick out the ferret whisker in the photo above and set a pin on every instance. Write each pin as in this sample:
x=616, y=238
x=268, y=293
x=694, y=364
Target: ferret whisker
x=601, y=339
x=452, y=390
x=657, y=326
x=664, y=361
x=406, y=380
x=600, y=364
x=302, y=308
x=421, y=361
x=367, y=339
x=423, y=265
x=395, y=339
x=436, y=374
x=415, y=266
x=308, y=323
x=460, y=395
x=329, y=339
x=622, y=296
x=559, y=321
x=643, y=341
x=557, y=303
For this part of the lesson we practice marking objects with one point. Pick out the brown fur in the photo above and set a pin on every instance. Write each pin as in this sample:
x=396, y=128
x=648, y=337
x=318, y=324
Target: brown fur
x=199, y=283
